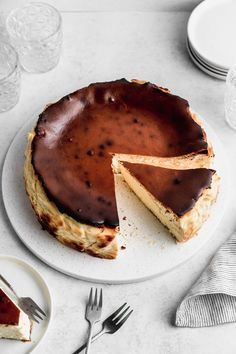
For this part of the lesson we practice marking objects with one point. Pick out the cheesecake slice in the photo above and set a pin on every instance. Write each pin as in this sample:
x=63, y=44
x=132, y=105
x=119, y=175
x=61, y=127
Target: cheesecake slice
x=14, y=323
x=180, y=199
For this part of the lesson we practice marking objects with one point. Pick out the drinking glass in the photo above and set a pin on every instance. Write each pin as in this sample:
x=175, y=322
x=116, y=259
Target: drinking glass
x=35, y=31
x=230, y=98
x=9, y=77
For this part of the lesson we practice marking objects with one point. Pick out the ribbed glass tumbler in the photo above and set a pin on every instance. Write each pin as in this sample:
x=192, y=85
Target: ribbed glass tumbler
x=9, y=77
x=35, y=31
x=230, y=98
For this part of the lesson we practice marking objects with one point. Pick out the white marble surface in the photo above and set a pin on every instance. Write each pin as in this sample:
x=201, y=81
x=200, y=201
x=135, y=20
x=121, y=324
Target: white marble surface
x=106, y=45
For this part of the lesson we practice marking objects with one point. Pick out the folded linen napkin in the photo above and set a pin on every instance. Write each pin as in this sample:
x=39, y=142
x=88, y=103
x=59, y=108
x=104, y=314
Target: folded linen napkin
x=212, y=299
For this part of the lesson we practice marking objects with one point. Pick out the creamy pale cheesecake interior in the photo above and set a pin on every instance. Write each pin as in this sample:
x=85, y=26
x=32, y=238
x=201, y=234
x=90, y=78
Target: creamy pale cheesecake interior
x=68, y=172
x=14, y=323
x=180, y=199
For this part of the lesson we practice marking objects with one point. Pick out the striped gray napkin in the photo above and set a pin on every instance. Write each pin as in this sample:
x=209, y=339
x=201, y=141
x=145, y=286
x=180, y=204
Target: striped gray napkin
x=212, y=299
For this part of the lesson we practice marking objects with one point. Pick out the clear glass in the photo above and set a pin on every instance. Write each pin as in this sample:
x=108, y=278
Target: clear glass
x=3, y=31
x=230, y=98
x=35, y=31
x=9, y=77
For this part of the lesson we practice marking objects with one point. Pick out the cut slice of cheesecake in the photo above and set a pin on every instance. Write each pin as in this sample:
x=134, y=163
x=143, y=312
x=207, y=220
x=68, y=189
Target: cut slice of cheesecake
x=14, y=323
x=180, y=199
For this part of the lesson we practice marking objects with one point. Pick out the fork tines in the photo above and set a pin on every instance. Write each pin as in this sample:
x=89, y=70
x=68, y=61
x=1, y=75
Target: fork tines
x=111, y=324
x=119, y=317
x=33, y=310
x=94, y=303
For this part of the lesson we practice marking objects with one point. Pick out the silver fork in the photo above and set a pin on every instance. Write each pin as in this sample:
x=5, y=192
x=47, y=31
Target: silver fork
x=93, y=313
x=26, y=304
x=111, y=324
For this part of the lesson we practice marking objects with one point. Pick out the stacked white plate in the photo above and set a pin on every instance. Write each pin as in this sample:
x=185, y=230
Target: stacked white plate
x=211, y=36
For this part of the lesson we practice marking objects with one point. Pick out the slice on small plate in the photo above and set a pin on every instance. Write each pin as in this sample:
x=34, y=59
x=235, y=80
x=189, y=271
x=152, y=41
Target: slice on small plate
x=18, y=334
x=14, y=323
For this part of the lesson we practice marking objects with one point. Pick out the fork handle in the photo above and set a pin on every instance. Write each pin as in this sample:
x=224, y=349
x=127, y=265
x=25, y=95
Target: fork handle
x=8, y=284
x=89, y=337
x=99, y=334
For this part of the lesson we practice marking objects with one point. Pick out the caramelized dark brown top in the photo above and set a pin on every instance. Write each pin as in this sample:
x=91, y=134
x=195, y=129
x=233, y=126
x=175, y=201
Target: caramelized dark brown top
x=9, y=313
x=76, y=136
x=175, y=189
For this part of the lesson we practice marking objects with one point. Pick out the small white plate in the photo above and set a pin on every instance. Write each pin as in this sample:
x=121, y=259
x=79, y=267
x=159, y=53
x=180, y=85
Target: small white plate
x=205, y=63
x=211, y=31
x=27, y=282
x=203, y=66
x=208, y=63
x=150, y=249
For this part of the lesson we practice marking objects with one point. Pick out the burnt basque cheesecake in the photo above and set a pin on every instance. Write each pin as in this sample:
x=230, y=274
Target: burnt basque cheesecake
x=14, y=323
x=68, y=173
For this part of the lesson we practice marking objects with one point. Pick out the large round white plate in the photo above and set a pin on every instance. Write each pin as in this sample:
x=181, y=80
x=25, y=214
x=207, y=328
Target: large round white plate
x=211, y=31
x=150, y=250
x=27, y=282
